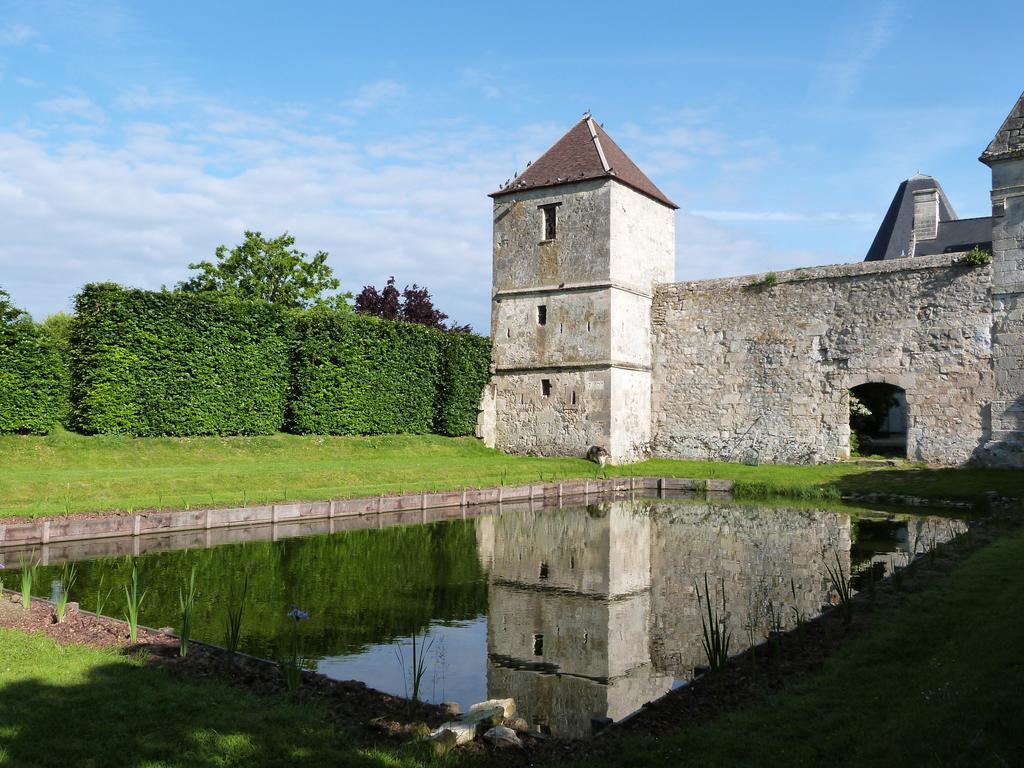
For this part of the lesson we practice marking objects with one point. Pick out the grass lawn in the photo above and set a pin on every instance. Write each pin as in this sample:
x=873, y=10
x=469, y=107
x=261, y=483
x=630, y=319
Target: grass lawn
x=935, y=682
x=77, y=706
x=64, y=472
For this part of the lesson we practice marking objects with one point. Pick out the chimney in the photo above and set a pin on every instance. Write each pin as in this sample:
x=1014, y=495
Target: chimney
x=926, y=214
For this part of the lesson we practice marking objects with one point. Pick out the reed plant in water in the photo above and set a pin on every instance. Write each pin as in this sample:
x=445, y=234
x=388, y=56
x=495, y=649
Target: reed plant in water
x=295, y=661
x=28, y=567
x=133, y=602
x=233, y=622
x=414, y=676
x=716, y=638
x=68, y=575
x=841, y=584
x=187, y=602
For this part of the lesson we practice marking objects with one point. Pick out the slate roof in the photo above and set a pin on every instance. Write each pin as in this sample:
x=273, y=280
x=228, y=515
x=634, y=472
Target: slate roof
x=584, y=152
x=957, y=236
x=895, y=234
x=892, y=240
x=1009, y=139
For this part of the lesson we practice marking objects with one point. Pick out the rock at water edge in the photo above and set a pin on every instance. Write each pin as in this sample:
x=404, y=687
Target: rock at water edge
x=500, y=736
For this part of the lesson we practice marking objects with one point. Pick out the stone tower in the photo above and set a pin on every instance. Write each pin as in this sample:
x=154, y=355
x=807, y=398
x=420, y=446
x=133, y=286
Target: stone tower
x=1005, y=156
x=580, y=239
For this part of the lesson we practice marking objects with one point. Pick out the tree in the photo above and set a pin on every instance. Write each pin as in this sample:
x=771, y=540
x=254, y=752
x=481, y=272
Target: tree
x=10, y=314
x=384, y=303
x=412, y=305
x=270, y=270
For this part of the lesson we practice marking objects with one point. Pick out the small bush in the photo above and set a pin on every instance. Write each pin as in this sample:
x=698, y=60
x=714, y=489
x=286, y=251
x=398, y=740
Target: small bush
x=764, y=283
x=976, y=257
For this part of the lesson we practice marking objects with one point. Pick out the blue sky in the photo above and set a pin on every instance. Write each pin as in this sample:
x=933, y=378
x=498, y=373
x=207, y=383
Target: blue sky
x=136, y=137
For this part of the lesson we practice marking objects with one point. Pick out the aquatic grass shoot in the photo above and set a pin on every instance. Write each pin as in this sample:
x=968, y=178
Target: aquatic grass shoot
x=717, y=637
x=133, y=602
x=296, y=661
x=101, y=596
x=28, y=567
x=841, y=584
x=233, y=620
x=414, y=676
x=68, y=576
x=187, y=602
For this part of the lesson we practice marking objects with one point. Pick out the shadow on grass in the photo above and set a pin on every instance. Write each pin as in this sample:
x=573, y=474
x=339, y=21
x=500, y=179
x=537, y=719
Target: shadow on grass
x=971, y=484
x=120, y=715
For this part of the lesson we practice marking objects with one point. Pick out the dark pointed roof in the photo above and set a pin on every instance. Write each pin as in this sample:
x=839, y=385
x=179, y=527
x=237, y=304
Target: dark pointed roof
x=892, y=240
x=895, y=237
x=1009, y=139
x=585, y=152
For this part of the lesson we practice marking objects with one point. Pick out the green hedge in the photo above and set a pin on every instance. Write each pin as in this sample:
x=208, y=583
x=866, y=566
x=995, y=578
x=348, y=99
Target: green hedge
x=465, y=370
x=33, y=398
x=147, y=363
x=159, y=363
x=353, y=374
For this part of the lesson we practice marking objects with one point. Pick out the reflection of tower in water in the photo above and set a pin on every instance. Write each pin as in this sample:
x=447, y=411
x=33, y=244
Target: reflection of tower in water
x=593, y=612
x=570, y=597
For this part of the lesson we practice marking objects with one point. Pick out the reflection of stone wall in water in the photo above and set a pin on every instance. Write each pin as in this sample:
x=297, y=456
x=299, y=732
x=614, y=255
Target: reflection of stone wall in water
x=755, y=551
x=570, y=594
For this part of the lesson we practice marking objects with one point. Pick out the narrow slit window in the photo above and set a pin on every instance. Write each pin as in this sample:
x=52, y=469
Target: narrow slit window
x=561, y=327
x=545, y=387
x=574, y=397
x=550, y=214
x=543, y=571
x=542, y=314
x=538, y=645
x=588, y=326
x=508, y=333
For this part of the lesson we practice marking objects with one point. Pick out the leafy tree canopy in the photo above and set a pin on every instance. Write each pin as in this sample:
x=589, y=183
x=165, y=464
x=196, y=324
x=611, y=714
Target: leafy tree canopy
x=413, y=305
x=10, y=314
x=271, y=270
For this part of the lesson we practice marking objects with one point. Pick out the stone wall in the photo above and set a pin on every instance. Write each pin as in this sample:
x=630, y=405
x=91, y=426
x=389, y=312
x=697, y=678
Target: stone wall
x=1006, y=448
x=749, y=372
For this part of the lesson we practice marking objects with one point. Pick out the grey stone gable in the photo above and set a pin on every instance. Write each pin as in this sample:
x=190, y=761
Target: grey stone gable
x=1009, y=139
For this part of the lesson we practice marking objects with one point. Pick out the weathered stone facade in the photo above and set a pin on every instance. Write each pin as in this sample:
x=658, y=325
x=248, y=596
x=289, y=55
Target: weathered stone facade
x=745, y=372
x=594, y=344
x=571, y=318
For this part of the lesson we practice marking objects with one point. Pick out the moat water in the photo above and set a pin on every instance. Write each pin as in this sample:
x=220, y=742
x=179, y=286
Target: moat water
x=577, y=613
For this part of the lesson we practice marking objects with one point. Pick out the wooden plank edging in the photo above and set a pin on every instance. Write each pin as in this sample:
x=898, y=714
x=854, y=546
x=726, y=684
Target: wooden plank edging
x=57, y=530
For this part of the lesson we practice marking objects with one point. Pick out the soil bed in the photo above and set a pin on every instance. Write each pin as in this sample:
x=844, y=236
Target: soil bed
x=369, y=715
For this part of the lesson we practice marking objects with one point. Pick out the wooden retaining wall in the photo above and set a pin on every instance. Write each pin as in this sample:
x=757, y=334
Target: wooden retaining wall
x=56, y=540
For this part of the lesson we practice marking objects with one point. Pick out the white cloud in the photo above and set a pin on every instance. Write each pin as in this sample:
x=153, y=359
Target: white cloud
x=16, y=34
x=705, y=249
x=139, y=210
x=375, y=95
x=75, y=106
x=860, y=44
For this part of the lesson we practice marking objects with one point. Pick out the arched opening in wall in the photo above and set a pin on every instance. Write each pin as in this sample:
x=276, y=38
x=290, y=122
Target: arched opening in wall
x=878, y=420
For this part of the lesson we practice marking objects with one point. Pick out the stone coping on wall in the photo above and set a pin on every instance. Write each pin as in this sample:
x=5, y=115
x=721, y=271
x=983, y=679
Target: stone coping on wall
x=406, y=508
x=828, y=272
